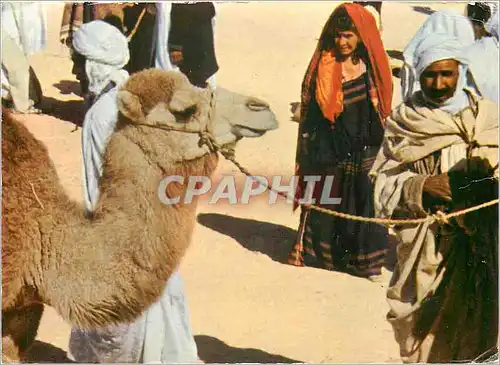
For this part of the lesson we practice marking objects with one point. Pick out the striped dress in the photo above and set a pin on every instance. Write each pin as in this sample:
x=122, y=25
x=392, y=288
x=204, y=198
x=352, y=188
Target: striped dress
x=347, y=151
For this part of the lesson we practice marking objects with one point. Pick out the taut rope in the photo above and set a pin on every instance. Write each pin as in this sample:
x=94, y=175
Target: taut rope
x=207, y=138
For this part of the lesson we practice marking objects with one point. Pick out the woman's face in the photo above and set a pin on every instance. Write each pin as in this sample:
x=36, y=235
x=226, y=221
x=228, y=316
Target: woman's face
x=346, y=42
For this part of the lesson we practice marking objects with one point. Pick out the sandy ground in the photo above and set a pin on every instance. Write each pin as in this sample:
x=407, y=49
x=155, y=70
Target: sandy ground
x=246, y=305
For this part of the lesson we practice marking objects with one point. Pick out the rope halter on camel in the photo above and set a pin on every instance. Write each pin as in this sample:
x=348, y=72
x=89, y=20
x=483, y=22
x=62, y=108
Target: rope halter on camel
x=207, y=138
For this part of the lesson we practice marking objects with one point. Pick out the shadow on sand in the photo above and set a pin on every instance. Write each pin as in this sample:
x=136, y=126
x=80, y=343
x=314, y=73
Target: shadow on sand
x=213, y=350
x=271, y=239
x=42, y=352
x=67, y=87
x=423, y=9
x=210, y=350
x=69, y=110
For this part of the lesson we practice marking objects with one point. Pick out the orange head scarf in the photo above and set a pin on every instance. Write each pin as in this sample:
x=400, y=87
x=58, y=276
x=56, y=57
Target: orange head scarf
x=380, y=74
x=379, y=65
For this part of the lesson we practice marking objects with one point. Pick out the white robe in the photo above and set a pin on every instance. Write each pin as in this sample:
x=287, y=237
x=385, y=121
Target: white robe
x=26, y=23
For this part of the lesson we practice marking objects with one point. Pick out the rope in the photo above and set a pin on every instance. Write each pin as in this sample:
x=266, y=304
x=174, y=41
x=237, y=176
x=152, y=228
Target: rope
x=439, y=216
x=208, y=139
x=134, y=30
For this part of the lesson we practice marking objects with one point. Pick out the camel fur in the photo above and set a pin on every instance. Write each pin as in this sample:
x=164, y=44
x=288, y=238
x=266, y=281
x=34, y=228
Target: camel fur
x=108, y=267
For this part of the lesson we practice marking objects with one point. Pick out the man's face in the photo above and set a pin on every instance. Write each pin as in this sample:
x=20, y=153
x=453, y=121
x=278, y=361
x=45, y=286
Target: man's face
x=78, y=66
x=439, y=80
x=346, y=42
x=479, y=30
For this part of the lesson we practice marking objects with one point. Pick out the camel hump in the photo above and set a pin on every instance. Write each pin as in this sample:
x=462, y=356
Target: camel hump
x=18, y=143
x=26, y=165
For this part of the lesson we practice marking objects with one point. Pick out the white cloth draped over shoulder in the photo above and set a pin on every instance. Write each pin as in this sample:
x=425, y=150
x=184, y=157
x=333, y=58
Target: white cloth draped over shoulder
x=445, y=22
x=433, y=277
x=163, y=333
x=440, y=126
x=414, y=131
x=161, y=56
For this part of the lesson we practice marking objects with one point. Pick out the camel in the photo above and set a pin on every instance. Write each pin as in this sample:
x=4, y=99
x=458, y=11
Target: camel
x=110, y=266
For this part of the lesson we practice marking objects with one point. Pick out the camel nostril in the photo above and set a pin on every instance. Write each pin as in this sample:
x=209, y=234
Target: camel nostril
x=257, y=105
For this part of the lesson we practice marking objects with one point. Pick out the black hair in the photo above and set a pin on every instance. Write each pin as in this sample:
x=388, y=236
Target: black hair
x=115, y=21
x=340, y=21
x=478, y=13
x=77, y=57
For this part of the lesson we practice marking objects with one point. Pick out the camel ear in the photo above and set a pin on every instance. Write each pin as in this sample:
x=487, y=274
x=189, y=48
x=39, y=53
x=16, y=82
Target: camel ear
x=130, y=106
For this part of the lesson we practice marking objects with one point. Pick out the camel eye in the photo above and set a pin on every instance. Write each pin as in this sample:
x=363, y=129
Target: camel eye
x=257, y=105
x=185, y=114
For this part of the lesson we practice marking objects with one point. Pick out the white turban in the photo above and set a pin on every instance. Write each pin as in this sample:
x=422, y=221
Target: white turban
x=437, y=47
x=443, y=26
x=106, y=52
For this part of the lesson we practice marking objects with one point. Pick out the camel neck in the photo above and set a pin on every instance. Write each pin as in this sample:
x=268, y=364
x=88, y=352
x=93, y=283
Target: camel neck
x=128, y=249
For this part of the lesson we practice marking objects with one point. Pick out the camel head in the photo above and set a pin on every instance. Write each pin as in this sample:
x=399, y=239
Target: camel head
x=245, y=116
x=172, y=112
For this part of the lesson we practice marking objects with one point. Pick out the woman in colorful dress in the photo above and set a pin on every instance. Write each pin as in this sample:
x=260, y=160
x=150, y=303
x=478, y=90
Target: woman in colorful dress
x=346, y=96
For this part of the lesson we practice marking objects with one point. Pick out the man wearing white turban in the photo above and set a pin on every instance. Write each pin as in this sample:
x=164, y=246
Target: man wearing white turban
x=440, y=154
x=447, y=22
x=163, y=333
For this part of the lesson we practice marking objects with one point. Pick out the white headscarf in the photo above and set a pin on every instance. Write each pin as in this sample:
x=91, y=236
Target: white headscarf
x=106, y=52
x=437, y=47
x=445, y=22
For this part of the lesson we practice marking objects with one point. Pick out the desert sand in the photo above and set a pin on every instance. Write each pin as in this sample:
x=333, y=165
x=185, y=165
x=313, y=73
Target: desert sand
x=246, y=304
